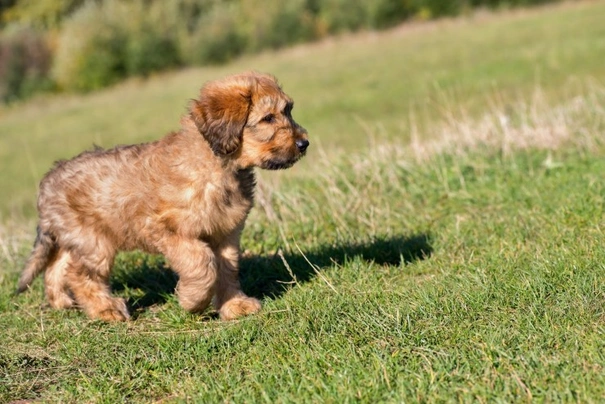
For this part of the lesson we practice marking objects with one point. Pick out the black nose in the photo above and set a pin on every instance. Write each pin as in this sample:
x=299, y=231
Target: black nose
x=302, y=145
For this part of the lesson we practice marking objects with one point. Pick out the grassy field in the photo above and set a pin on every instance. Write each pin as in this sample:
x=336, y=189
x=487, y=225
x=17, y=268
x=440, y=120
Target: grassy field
x=443, y=241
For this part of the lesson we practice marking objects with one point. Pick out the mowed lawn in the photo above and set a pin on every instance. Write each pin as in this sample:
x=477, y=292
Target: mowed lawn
x=442, y=241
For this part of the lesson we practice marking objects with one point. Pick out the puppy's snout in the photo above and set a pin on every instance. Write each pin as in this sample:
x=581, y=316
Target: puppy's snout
x=302, y=145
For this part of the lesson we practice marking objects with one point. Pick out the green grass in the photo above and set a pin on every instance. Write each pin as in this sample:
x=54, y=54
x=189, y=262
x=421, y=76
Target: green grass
x=464, y=265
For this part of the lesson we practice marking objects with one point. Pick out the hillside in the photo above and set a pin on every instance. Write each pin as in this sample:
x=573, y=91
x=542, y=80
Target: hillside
x=443, y=240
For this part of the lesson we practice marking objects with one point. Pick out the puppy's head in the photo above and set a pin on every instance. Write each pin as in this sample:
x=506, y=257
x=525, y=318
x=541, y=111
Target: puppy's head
x=248, y=118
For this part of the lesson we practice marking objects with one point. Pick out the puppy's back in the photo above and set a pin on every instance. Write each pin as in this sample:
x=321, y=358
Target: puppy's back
x=87, y=189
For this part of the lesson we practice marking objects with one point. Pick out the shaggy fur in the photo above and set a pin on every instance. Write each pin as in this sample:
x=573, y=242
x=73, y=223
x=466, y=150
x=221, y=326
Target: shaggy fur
x=185, y=196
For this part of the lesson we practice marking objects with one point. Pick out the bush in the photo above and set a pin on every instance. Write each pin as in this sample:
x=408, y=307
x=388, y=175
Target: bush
x=152, y=31
x=216, y=38
x=148, y=51
x=275, y=24
x=91, y=50
x=105, y=42
x=292, y=23
x=438, y=8
x=351, y=15
x=387, y=13
x=41, y=14
x=337, y=16
x=24, y=64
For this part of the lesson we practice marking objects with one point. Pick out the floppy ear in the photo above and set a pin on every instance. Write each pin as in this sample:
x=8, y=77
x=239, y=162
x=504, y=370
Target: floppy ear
x=221, y=113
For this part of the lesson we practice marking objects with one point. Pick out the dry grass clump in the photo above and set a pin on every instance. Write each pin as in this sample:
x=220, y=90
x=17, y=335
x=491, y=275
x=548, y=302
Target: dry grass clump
x=536, y=124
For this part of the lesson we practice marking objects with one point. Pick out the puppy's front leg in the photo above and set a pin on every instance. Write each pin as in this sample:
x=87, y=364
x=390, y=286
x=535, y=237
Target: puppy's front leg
x=230, y=301
x=195, y=263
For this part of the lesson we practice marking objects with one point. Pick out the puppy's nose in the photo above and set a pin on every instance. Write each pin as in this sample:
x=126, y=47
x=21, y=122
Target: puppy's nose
x=302, y=145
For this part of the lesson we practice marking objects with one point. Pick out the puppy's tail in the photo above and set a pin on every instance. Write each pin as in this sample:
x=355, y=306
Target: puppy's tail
x=44, y=248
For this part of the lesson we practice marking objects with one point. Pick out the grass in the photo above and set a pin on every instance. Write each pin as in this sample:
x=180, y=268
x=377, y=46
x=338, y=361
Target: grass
x=460, y=261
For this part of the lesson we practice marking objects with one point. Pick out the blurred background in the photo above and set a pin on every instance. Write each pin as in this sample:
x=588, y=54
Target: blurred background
x=79, y=45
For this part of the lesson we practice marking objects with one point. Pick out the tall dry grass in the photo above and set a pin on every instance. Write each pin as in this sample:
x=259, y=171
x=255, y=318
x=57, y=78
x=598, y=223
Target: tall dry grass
x=365, y=190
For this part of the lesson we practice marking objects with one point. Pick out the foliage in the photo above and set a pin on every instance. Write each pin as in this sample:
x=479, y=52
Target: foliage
x=91, y=49
x=275, y=24
x=215, y=37
x=42, y=14
x=24, y=64
x=102, y=42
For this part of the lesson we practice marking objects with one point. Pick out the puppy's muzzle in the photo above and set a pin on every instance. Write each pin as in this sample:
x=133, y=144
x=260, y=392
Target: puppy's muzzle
x=302, y=145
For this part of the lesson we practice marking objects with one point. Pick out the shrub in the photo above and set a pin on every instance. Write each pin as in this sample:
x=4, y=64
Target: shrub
x=41, y=14
x=152, y=31
x=91, y=50
x=292, y=23
x=105, y=42
x=387, y=13
x=345, y=15
x=148, y=50
x=24, y=64
x=275, y=24
x=342, y=15
x=216, y=38
x=437, y=8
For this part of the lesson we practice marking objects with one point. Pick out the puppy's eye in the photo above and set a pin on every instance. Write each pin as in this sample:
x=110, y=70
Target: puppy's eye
x=268, y=118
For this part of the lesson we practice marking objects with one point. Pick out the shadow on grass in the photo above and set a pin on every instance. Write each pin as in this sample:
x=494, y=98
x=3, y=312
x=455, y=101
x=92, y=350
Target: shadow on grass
x=145, y=280
x=264, y=276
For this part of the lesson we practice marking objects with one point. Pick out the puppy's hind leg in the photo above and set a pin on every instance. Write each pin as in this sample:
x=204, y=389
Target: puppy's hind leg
x=88, y=279
x=55, y=281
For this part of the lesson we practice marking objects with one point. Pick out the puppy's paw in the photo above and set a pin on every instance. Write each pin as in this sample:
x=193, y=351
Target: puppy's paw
x=238, y=307
x=116, y=311
x=60, y=300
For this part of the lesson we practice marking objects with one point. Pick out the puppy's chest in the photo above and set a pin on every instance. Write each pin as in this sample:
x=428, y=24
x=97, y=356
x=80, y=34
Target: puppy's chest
x=228, y=199
x=221, y=205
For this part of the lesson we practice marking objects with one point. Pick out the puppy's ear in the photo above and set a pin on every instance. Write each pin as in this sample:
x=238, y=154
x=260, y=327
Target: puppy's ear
x=221, y=113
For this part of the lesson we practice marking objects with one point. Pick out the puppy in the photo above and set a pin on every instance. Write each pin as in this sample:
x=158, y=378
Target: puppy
x=185, y=196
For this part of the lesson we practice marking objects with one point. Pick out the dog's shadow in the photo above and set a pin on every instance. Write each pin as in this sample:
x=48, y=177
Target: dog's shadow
x=264, y=276
x=268, y=276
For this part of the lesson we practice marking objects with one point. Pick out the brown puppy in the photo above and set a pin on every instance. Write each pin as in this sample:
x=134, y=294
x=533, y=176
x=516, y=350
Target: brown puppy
x=185, y=196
